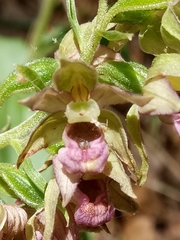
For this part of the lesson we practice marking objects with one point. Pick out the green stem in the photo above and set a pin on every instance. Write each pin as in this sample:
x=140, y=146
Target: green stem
x=92, y=38
x=72, y=17
x=41, y=23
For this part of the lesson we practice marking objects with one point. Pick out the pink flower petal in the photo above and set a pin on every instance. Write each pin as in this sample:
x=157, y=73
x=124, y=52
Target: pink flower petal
x=106, y=95
x=67, y=182
x=48, y=100
x=85, y=151
x=93, y=206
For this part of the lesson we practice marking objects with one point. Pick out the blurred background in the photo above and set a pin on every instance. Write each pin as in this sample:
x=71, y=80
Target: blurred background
x=32, y=29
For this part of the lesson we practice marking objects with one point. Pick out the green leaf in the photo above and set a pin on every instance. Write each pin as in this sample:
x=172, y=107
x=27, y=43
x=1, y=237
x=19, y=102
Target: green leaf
x=47, y=133
x=170, y=27
x=133, y=126
x=133, y=17
x=114, y=35
x=43, y=68
x=22, y=131
x=135, y=5
x=167, y=65
x=122, y=75
x=34, y=175
x=53, y=149
x=26, y=74
x=4, y=189
x=21, y=185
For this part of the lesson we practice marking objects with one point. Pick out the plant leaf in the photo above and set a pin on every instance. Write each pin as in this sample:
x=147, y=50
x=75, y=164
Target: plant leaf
x=114, y=35
x=44, y=68
x=21, y=185
x=120, y=74
x=34, y=175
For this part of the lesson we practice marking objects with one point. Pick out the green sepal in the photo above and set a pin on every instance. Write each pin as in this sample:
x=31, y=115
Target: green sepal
x=170, y=27
x=44, y=68
x=123, y=75
x=133, y=126
x=166, y=65
x=115, y=170
x=47, y=133
x=73, y=73
x=120, y=200
x=117, y=140
x=50, y=205
x=21, y=185
x=150, y=38
x=34, y=175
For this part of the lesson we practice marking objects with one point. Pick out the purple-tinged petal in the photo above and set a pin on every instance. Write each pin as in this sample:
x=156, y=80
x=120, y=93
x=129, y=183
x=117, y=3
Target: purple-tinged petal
x=47, y=133
x=106, y=95
x=176, y=118
x=173, y=119
x=85, y=151
x=165, y=100
x=93, y=205
x=48, y=100
x=67, y=182
x=12, y=221
x=39, y=235
x=104, y=54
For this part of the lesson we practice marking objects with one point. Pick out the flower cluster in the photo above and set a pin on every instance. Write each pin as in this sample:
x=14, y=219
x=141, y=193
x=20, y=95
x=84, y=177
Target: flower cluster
x=89, y=167
x=93, y=165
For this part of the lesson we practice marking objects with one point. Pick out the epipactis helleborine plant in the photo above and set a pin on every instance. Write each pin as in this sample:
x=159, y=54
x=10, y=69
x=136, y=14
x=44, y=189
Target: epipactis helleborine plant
x=93, y=164
x=90, y=165
x=88, y=145
x=91, y=168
